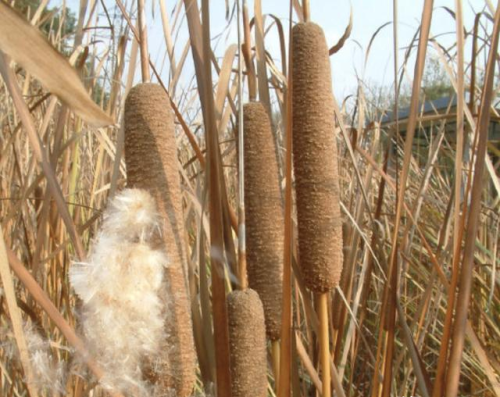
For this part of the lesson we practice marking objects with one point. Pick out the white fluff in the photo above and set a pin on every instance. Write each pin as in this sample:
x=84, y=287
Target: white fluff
x=49, y=374
x=122, y=313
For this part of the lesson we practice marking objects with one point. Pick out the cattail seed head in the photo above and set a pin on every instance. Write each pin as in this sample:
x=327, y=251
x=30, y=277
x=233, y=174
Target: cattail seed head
x=122, y=315
x=151, y=158
x=315, y=160
x=263, y=215
x=247, y=338
x=49, y=373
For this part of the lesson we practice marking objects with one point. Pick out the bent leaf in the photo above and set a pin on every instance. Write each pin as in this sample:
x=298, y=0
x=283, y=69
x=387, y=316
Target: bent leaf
x=347, y=33
x=26, y=45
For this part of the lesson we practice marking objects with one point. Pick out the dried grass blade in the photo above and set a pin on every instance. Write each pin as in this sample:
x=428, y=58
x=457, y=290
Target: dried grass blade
x=468, y=115
x=15, y=316
x=180, y=65
x=483, y=358
x=168, y=36
x=223, y=84
x=347, y=33
x=43, y=300
x=388, y=307
x=40, y=153
x=201, y=50
x=306, y=361
x=26, y=45
x=464, y=292
x=445, y=340
x=423, y=379
x=281, y=35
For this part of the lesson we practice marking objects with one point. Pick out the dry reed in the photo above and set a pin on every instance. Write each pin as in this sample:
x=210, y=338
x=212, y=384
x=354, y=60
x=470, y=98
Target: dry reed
x=47, y=210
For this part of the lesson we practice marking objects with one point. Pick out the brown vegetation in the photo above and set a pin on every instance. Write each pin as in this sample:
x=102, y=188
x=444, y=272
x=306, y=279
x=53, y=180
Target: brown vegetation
x=416, y=311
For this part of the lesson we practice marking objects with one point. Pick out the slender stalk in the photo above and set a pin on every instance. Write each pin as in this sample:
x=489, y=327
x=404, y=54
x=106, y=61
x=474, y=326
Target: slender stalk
x=390, y=285
x=306, y=10
x=275, y=353
x=284, y=388
x=143, y=36
x=457, y=235
x=465, y=285
x=242, y=261
x=324, y=344
x=16, y=319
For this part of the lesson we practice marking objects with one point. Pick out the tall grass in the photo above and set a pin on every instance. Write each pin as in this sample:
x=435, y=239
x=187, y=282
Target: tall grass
x=417, y=308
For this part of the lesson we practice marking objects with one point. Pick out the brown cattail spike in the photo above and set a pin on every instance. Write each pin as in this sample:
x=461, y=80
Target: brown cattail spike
x=247, y=337
x=315, y=160
x=264, y=216
x=151, y=156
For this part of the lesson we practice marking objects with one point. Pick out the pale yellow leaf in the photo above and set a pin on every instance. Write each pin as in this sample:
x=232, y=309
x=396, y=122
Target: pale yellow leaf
x=26, y=45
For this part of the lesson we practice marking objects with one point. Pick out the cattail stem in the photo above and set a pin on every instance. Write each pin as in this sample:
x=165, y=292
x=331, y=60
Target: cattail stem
x=324, y=343
x=306, y=10
x=247, y=52
x=275, y=352
x=242, y=259
x=146, y=76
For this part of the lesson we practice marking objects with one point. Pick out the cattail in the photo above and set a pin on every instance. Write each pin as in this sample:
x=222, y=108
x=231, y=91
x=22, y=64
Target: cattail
x=151, y=157
x=247, y=338
x=49, y=374
x=263, y=215
x=122, y=314
x=315, y=160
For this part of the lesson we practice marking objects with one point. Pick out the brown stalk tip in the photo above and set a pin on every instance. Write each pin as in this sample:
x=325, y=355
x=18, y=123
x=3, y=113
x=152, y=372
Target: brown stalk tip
x=151, y=157
x=264, y=216
x=315, y=160
x=247, y=338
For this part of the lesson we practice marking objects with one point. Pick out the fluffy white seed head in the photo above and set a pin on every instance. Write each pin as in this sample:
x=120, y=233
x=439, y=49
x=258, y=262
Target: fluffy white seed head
x=119, y=284
x=49, y=373
x=132, y=215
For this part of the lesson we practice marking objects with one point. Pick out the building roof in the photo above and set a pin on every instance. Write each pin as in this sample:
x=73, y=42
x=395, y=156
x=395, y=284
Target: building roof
x=428, y=107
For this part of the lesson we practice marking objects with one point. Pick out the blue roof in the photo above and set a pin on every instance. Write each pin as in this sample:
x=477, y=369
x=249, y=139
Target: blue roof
x=429, y=106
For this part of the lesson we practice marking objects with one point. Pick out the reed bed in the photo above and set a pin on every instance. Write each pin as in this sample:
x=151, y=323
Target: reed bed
x=416, y=308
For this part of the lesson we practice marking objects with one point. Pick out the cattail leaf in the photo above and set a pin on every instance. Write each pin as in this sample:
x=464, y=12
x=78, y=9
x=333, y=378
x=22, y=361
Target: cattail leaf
x=26, y=45
x=200, y=49
x=15, y=316
x=347, y=33
x=223, y=89
x=261, y=57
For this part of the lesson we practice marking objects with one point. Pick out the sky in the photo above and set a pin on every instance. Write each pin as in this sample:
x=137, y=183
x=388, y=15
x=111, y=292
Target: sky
x=333, y=16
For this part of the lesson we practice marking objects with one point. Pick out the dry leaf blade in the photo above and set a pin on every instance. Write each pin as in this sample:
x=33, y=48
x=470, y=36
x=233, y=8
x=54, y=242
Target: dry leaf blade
x=26, y=45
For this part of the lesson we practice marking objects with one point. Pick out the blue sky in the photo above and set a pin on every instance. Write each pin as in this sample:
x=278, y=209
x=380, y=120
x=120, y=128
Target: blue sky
x=333, y=16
